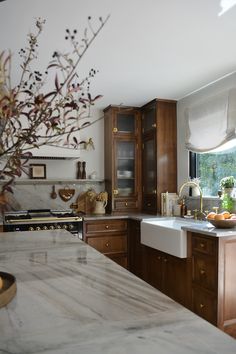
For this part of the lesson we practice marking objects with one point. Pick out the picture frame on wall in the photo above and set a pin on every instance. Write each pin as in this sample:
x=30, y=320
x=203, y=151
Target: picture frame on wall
x=37, y=171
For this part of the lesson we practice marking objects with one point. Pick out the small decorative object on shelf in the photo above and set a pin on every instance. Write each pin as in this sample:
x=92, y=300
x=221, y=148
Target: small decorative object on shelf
x=37, y=171
x=79, y=172
x=83, y=176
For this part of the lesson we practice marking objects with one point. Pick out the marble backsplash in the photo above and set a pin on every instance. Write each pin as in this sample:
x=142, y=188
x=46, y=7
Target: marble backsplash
x=38, y=196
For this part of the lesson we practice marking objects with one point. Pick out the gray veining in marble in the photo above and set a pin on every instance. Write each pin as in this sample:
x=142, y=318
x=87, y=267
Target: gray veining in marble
x=71, y=299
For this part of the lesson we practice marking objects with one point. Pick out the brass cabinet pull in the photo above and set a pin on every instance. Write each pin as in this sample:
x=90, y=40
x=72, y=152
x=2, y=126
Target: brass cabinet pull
x=202, y=306
x=107, y=227
x=154, y=191
x=154, y=125
x=202, y=245
x=202, y=271
x=115, y=191
x=126, y=204
x=107, y=244
x=115, y=130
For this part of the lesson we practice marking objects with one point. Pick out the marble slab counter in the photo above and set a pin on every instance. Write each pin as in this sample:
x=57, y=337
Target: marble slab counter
x=72, y=299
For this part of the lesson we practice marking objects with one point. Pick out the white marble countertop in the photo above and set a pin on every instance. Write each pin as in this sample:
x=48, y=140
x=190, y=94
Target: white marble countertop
x=72, y=299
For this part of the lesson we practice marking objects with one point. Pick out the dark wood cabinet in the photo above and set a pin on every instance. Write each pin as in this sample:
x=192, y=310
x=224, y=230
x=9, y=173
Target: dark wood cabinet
x=169, y=274
x=214, y=280
x=108, y=237
x=135, y=249
x=159, y=152
x=122, y=159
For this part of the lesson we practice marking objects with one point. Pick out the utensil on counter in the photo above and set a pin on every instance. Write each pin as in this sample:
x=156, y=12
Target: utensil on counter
x=66, y=193
x=53, y=194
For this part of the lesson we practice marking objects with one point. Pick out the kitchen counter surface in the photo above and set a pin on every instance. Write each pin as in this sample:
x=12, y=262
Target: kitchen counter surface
x=72, y=299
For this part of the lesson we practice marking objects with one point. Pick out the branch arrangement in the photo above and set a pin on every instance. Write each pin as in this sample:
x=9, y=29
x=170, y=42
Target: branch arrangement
x=31, y=115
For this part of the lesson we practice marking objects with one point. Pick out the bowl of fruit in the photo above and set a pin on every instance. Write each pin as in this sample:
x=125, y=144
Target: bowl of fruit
x=224, y=220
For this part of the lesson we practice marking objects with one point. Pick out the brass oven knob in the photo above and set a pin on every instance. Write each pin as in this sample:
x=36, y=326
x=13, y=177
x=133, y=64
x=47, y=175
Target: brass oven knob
x=65, y=227
x=31, y=228
x=51, y=227
x=70, y=226
x=38, y=228
x=58, y=226
x=45, y=228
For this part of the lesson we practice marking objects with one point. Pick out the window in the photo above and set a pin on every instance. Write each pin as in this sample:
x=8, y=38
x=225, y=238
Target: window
x=211, y=167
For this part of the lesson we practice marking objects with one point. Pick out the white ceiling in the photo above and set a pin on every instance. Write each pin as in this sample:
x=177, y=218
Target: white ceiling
x=148, y=48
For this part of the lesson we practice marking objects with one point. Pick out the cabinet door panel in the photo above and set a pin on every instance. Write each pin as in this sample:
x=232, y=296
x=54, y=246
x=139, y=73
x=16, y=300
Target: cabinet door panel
x=205, y=305
x=153, y=267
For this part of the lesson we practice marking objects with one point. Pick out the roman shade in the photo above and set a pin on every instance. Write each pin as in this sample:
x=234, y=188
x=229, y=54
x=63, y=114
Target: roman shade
x=212, y=122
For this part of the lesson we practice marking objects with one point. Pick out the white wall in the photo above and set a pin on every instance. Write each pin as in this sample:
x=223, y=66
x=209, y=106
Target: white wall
x=17, y=18
x=210, y=90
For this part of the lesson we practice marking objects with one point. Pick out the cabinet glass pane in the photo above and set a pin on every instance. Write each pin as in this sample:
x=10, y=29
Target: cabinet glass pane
x=125, y=167
x=149, y=165
x=149, y=119
x=126, y=122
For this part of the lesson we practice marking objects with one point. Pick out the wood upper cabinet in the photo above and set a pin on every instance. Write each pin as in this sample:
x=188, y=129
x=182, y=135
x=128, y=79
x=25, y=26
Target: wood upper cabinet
x=214, y=280
x=122, y=158
x=108, y=237
x=159, y=152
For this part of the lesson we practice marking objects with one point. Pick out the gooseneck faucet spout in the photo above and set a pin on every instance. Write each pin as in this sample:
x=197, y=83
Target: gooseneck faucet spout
x=194, y=184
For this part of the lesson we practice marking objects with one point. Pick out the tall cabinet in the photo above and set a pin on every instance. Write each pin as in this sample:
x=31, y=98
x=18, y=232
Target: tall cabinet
x=159, y=152
x=122, y=158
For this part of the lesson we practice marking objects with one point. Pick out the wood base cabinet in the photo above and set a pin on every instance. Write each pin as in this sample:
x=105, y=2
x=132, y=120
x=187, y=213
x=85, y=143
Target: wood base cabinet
x=214, y=280
x=108, y=237
x=135, y=249
x=168, y=274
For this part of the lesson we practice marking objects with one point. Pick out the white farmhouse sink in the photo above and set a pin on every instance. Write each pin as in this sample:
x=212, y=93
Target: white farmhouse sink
x=165, y=235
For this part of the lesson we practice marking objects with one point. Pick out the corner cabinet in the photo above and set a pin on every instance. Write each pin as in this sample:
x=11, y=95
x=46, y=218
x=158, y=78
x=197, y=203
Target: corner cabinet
x=122, y=159
x=159, y=153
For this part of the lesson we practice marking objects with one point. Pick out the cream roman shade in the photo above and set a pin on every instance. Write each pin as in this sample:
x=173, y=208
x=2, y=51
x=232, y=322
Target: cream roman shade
x=212, y=122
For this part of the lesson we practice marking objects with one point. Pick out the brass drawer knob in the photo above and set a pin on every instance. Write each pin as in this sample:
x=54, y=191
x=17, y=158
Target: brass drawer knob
x=154, y=125
x=107, y=244
x=202, y=245
x=106, y=227
x=165, y=260
x=202, y=271
x=126, y=204
x=202, y=306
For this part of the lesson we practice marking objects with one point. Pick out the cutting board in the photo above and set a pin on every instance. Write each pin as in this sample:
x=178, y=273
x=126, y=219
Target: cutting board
x=85, y=203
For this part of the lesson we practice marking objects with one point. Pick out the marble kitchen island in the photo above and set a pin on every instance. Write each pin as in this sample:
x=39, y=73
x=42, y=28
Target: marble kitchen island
x=72, y=299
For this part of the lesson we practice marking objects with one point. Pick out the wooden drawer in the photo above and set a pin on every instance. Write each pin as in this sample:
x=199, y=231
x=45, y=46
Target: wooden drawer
x=205, y=305
x=205, y=272
x=204, y=245
x=109, y=244
x=150, y=204
x=126, y=204
x=101, y=226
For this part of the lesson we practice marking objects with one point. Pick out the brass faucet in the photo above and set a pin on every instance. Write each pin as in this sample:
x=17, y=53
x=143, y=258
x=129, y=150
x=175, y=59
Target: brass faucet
x=194, y=184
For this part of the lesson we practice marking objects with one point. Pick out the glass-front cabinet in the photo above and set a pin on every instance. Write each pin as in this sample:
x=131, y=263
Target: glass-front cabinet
x=122, y=158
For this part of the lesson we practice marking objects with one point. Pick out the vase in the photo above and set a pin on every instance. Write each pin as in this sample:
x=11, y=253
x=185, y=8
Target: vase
x=195, y=192
x=228, y=191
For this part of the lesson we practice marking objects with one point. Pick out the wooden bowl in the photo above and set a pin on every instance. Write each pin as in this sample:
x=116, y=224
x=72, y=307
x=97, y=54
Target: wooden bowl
x=8, y=288
x=223, y=224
